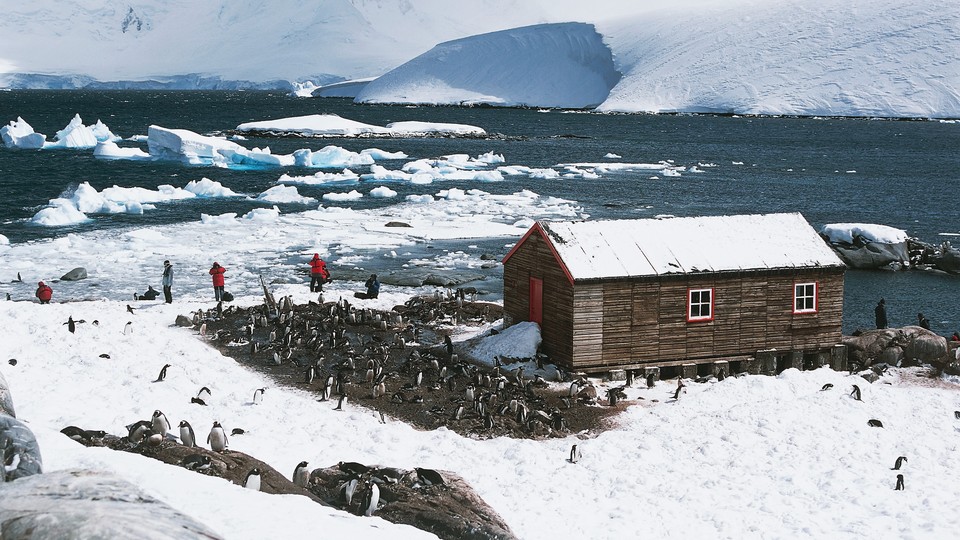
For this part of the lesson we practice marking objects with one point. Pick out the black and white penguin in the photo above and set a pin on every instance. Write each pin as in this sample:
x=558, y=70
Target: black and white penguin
x=899, y=486
x=258, y=395
x=204, y=393
x=301, y=474
x=873, y=422
x=900, y=461
x=187, y=436
x=198, y=401
x=348, y=489
x=353, y=468
x=163, y=373
x=196, y=462
x=71, y=324
x=339, y=407
x=371, y=500
x=237, y=431
x=82, y=435
x=139, y=430
x=160, y=424
x=855, y=393
x=721, y=375
x=129, y=309
x=203, y=330
x=651, y=380
x=252, y=481
x=575, y=454
x=826, y=387
x=217, y=439
x=310, y=374
x=128, y=328
x=428, y=477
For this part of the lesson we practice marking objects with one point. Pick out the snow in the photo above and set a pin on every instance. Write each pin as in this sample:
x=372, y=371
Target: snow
x=20, y=134
x=871, y=232
x=647, y=247
x=733, y=460
x=332, y=125
x=556, y=65
x=522, y=340
x=353, y=195
x=382, y=192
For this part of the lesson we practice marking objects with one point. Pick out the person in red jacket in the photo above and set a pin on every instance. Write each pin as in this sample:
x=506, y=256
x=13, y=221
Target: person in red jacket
x=217, y=272
x=318, y=273
x=44, y=293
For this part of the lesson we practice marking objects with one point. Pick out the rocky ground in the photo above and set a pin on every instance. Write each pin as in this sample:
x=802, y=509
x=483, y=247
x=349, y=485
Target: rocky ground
x=397, y=363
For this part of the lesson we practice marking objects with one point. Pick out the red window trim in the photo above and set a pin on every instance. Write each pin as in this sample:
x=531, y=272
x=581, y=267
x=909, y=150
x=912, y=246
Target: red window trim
x=816, y=298
x=689, y=305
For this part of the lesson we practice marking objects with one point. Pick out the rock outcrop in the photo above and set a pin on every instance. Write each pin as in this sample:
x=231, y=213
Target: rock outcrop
x=910, y=345
x=75, y=275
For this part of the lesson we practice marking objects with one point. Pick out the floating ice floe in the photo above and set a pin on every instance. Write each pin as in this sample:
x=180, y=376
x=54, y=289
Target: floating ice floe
x=285, y=194
x=110, y=150
x=382, y=192
x=20, y=134
x=344, y=177
x=73, y=208
x=331, y=125
x=353, y=195
x=77, y=135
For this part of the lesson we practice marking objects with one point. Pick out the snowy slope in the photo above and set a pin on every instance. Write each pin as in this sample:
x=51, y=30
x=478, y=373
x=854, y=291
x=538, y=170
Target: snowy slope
x=797, y=57
x=553, y=65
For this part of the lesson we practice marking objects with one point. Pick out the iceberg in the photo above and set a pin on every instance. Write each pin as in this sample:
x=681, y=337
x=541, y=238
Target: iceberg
x=74, y=135
x=284, y=194
x=20, y=134
x=191, y=148
x=332, y=125
x=110, y=150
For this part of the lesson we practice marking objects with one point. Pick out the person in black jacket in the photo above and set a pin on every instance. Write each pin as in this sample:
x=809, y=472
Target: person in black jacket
x=881, y=314
x=923, y=321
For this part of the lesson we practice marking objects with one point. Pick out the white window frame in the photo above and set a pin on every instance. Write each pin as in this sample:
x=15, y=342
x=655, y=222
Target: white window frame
x=701, y=304
x=808, y=292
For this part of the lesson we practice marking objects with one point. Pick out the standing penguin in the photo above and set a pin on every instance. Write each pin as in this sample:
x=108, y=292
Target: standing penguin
x=900, y=461
x=204, y=393
x=128, y=328
x=371, y=500
x=160, y=424
x=651, y=380
x=301, y=475
x=217, y=439
x=252, y=481
x=258, y=395
x=163, y=373
x=575, y=454
x=855, y=393
x=187, y=436
x=71, y=324
x=899, y=483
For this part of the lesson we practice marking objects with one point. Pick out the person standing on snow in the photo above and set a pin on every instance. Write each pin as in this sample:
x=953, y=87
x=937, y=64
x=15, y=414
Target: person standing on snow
x=44, y=293
x=217, y=272
x=318, y=273
x=167, y=282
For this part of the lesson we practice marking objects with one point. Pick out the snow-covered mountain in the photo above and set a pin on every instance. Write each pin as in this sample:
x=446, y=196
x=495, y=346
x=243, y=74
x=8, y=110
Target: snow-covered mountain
x=889, y=58
x=245, y=43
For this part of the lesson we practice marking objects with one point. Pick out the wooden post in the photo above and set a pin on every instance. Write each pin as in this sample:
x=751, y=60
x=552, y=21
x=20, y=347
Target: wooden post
x=688, y=371
x=796, y=360
x=768, y=361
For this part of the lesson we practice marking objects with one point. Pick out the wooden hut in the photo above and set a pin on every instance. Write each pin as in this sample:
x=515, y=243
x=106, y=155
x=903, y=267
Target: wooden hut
x=764, y=290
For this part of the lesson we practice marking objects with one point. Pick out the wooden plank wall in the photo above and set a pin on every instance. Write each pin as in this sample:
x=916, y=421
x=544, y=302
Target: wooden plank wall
x=534, y=258
x=638, y=322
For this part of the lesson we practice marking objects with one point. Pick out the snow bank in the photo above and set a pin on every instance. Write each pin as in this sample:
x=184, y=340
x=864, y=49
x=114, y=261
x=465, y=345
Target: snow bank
x=847, y=232
x=521, y=340
x=551, y=65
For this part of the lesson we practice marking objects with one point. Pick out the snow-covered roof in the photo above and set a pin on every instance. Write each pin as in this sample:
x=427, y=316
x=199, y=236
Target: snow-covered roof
x=653, y=247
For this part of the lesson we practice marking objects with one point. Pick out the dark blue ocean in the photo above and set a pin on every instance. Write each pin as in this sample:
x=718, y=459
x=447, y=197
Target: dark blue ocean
x=898, y=173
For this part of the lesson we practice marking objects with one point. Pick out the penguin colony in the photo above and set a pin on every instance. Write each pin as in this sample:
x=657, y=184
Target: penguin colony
x=399, y=363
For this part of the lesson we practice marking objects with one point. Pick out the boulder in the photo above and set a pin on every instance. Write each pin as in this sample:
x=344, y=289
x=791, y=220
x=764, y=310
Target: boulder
x=184, y=321
x=76, y=274
x=864, y=245
x=16, y=439
x=79, y=504
x=6, y=399
x=897, y=346
x=451, y=510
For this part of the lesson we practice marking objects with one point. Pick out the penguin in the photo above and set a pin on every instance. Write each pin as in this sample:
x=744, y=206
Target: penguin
x=348, y=490
x=900, y=461
x=105, y=355
x=721, y=375
x=676, y=395
x=217, y=439
x=12, y=361
x=651, y=380
x=371, y=500
x=128, y=328
x=575, y=454
x=204, y=393
x=154, y=439
x=339, y=407
x=19, y=279
x=163, y=373
x=252, y=481
x=301, y=474
x=187, y=436
x=198, y=401
x=826, y=387
x=82, y=435
x=258, y=395
x=138, y=431
x=855, y=393
x=160, y=424
x=71, y=324
x=429, y=477
x=956, y=414
x=899, y=486
x=873, y=422
x=310, y=374
x=353, y=468
x=203, y=330
x=196, y=462
x=129, y=309
x=237, y=431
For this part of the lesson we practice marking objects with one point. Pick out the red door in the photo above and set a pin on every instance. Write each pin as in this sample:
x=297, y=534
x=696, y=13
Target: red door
x=536, y=300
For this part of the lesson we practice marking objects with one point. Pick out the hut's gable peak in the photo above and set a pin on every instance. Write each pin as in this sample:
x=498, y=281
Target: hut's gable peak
x=652, y=247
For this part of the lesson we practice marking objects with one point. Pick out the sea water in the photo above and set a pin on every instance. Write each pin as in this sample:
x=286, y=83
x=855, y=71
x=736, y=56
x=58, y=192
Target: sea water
x=897, y=173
